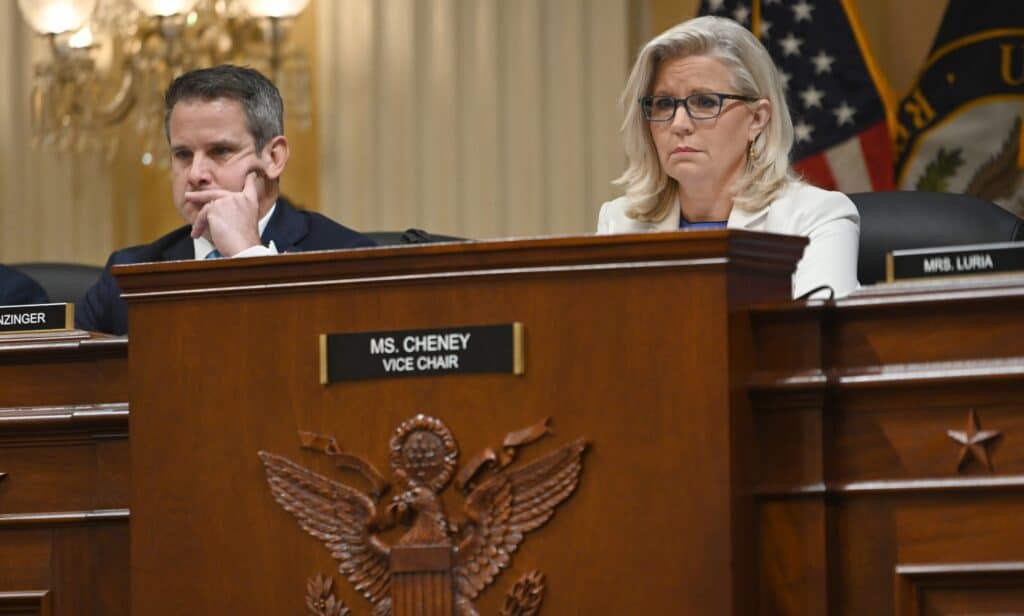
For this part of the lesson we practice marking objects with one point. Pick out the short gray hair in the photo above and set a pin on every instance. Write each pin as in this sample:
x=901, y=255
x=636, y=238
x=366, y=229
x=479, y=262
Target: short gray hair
x=651, y=192
x=264, y=109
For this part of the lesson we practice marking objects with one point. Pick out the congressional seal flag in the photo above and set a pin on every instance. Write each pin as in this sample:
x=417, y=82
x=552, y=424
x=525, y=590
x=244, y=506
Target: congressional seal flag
x=837, y=96
x=959, y=128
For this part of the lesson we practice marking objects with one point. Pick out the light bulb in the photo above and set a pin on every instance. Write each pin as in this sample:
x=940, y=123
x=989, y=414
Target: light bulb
x=165, y=8
x=81, y=39
x=56, y=16
x=274, y=8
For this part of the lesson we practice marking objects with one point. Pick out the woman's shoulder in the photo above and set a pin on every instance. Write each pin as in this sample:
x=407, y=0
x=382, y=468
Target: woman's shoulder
x=615, y=207
x=801, y=198
x=614, y=216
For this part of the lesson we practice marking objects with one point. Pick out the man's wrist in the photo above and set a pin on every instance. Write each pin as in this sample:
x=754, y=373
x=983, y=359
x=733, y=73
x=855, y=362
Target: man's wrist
x=258, y=250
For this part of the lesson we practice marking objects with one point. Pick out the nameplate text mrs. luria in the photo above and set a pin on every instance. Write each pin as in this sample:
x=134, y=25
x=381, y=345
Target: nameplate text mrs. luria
x=472, y=349
x=955, y=261
x=36, y=318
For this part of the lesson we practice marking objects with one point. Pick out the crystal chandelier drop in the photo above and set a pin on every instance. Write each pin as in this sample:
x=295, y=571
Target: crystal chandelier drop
x=111, y=60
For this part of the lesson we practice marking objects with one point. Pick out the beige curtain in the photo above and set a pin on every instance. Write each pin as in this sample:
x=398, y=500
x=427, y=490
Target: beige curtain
x=56, y=207
x=477, y=118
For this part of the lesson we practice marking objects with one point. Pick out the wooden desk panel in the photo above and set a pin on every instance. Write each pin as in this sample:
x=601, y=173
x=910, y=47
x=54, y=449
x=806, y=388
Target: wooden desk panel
x=64, y=372
x=627, y=344
x=866, y=505
x=64, y=497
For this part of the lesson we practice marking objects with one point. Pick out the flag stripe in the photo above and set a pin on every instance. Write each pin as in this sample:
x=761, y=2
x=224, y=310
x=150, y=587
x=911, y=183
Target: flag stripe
x=848, y=166
x=816, y=171
x=878, y=152
x=839, y=99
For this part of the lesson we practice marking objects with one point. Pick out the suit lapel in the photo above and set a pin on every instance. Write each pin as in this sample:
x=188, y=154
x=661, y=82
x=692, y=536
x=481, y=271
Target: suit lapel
x=669, y=222
x=286, y=227
x=742, y=219
x=180, y=247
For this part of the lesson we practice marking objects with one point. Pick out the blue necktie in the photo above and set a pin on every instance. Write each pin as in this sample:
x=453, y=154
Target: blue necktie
x=213, y=254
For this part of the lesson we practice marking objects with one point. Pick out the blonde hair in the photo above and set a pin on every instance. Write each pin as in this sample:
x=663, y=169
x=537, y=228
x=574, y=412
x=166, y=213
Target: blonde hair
x=651, y=192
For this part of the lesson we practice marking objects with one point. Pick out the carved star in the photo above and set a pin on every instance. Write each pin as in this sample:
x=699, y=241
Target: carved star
x=974, y=442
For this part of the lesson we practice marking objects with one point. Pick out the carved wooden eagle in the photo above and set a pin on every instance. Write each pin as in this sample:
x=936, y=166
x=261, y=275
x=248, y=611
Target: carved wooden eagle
x=499, y=511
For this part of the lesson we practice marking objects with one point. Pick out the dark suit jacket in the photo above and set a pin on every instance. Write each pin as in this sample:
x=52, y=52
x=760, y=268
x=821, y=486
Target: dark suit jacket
x=17, y=288
x=291, y=230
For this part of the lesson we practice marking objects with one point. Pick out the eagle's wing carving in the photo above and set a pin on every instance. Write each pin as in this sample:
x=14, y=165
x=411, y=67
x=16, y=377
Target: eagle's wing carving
x=337, y=515
x=503, y=508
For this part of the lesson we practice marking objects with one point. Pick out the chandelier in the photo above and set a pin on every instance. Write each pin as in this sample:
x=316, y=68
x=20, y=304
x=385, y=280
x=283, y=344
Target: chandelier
x=110, y=62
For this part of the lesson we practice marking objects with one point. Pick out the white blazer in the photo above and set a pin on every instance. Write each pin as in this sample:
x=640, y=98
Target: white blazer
x=829, y=219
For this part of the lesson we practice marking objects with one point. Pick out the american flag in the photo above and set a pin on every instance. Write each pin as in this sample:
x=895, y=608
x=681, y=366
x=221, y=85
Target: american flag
x=835, y=92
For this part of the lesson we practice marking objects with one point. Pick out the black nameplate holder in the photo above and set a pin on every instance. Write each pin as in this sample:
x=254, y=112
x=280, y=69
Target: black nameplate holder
x=972, y=260
x=36, y=318
x=473, y=349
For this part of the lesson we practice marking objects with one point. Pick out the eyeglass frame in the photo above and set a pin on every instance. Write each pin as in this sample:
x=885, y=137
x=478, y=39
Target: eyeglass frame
x=686, y=105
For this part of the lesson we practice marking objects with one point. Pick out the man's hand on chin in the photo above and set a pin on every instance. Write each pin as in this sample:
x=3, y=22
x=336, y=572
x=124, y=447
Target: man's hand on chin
x=231, y=219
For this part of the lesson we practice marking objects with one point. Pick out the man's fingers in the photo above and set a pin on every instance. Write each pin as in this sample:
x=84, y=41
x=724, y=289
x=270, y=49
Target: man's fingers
x=200, y=197
x=200, y=224
x=252, y=181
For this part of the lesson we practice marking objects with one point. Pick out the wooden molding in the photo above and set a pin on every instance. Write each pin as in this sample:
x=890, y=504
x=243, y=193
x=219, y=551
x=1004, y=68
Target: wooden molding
x=24, y=602
x=895, y=375
x=969, y=580
x=460, y=273
x=796, y=380
x=926, y=291
x=932, y=373
x=91, y=346
x=61, y=518
x=484, y=258
x=69, y=416
x=883, y=486
x=64, y=425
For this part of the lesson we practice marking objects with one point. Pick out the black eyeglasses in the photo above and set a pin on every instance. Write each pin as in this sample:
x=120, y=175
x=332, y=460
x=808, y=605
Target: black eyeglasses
x=699, y=106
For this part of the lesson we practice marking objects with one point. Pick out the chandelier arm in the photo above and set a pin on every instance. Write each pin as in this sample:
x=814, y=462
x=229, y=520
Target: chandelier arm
x=122, y=102
x=116, y=66
x=275, y=46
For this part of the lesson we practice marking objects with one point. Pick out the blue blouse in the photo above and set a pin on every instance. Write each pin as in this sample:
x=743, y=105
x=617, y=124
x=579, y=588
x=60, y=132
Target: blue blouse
x=697, y=226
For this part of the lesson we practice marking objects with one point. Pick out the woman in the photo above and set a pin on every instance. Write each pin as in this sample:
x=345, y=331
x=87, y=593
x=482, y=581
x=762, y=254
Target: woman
x=707, y=135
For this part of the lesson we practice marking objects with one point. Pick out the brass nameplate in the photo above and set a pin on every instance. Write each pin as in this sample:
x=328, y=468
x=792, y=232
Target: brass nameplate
x=473, y=349
x=36, y=318
x=955, y=261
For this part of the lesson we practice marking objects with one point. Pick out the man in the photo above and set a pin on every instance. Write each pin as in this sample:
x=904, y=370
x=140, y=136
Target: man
x=228, y=151
x=17, y=288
